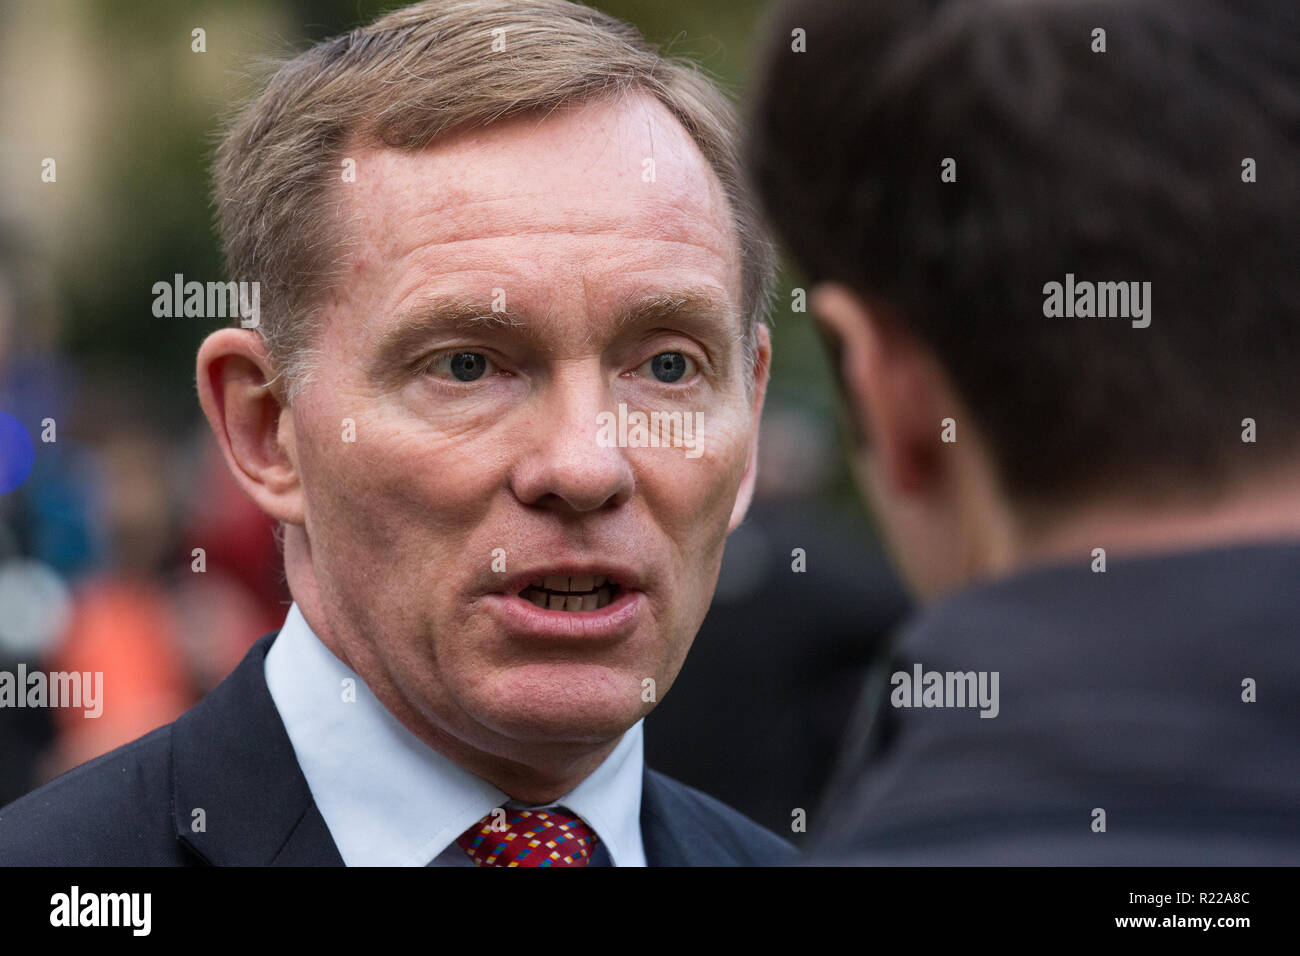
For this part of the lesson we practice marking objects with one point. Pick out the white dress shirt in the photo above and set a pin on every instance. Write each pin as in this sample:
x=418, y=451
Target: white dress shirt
x=389, y=799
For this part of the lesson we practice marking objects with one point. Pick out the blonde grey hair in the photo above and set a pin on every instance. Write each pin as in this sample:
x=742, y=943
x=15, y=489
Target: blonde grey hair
x=402, y=81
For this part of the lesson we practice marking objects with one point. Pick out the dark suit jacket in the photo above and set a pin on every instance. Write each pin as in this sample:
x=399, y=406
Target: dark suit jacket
x=230, y=756
x=1120, y=691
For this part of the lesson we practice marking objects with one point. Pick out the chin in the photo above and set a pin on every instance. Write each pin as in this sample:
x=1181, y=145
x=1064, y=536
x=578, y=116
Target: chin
x=561, y=703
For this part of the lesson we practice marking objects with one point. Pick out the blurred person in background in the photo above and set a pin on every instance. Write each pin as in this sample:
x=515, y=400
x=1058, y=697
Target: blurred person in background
x=90, y=577
x=170, y=608
x=1100, y=504
x=46, y=534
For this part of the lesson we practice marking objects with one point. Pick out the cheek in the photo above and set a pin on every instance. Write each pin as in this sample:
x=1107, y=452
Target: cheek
x=398, y=490
x=692, y=498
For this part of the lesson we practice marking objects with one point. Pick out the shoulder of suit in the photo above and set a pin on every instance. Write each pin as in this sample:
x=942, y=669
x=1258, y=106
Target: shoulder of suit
x=750, y=843
x=113, y=810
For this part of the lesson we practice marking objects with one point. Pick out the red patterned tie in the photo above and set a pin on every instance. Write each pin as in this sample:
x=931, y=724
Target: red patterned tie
x=530, y=838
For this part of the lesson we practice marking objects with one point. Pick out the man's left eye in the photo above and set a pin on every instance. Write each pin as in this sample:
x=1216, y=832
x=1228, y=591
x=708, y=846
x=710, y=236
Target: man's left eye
x=670, y=366
x=462, y=366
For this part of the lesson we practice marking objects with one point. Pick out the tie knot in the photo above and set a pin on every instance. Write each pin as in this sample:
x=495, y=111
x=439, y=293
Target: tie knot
x=552, y=837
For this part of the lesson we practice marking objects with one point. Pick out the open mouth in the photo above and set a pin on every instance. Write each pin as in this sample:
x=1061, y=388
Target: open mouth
x=579, y=592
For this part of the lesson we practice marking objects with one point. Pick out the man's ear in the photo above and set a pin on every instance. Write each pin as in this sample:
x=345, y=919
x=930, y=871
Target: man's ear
x=761, y=370
x=252, y=425
x=895, y=390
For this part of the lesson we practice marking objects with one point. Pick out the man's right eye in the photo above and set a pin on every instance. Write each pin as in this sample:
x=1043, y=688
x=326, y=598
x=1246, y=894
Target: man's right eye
x=461, y=366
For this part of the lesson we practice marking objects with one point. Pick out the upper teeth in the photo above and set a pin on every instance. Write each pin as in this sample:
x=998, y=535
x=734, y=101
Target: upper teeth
x=564, y=592
x=567, y=583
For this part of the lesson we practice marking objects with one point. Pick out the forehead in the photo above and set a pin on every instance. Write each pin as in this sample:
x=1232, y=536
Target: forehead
x=593, y=202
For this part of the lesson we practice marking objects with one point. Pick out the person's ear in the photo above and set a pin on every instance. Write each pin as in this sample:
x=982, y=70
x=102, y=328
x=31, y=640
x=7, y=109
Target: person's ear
x=245, y=408
x=762, y=367
x=895, y=391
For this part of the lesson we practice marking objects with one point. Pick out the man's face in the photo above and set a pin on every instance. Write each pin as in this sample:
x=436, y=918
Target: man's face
x=476, y=469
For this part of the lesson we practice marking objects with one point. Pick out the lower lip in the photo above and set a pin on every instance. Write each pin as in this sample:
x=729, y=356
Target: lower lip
x=521, y=616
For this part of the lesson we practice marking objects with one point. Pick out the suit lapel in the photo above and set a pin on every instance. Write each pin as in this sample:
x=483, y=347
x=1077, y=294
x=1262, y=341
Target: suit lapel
x=232, y=760
x=309, y=843
x=662, y=845
x=672, y=830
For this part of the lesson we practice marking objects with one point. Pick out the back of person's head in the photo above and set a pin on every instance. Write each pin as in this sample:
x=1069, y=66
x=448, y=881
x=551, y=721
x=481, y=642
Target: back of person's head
x=948, y=159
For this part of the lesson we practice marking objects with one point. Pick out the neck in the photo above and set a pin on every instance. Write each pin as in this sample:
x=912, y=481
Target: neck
x=529, y=772
x=539, y=780
x=1263, y=508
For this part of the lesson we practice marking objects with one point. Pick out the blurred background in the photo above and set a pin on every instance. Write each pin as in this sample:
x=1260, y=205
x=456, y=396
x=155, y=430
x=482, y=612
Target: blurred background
x=126, y=548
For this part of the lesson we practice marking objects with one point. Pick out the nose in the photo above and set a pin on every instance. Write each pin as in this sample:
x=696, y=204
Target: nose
x=562, y=465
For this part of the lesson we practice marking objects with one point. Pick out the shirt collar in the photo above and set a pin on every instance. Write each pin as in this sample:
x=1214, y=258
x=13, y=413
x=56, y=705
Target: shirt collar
x=389, y=799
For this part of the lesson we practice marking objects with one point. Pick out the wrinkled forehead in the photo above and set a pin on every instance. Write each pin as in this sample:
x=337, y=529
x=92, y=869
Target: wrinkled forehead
x=598, y=194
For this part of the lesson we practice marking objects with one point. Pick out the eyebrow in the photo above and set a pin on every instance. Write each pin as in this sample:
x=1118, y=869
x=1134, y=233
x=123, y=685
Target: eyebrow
x=700, y=310
x=436, y=315
x=705, y=308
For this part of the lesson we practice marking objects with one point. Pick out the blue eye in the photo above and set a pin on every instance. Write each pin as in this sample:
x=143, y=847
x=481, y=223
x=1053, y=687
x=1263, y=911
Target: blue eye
x=467, y=366
x=669, y=367
x=462, y=366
